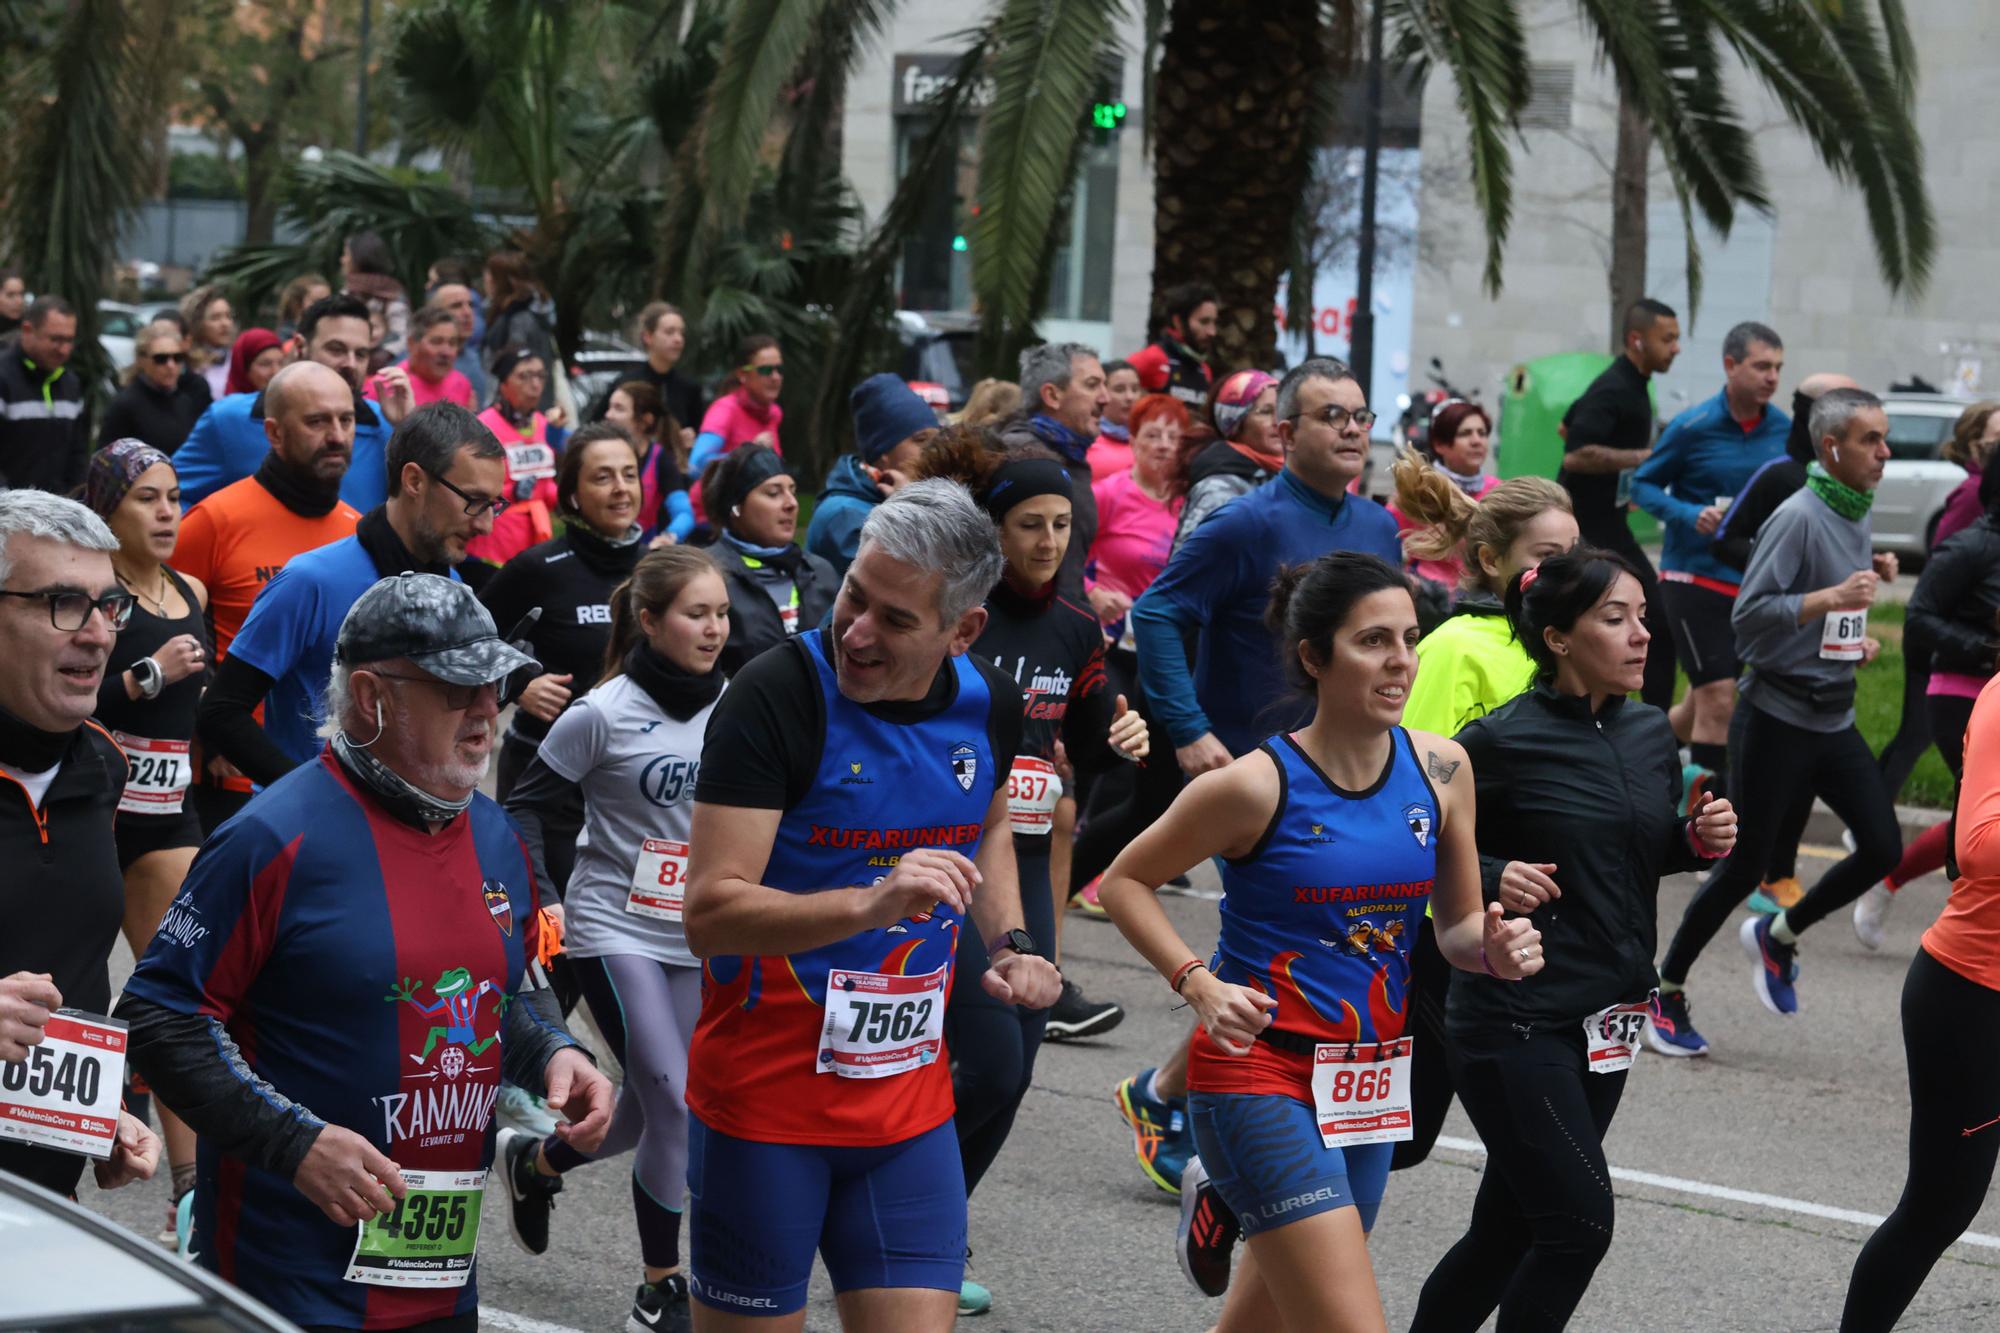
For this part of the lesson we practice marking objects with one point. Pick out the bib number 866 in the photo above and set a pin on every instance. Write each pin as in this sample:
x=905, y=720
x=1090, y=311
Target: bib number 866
x=76, y=1077
x=889, y=1020
x=1366, y=1085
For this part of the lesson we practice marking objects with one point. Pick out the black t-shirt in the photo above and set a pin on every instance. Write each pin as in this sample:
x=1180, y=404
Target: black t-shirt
x=768, y=732
x=570, y=577
x=1615, y=411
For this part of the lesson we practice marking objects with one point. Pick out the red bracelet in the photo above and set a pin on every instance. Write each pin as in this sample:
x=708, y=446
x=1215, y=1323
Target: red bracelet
x=1700, y=848
x=1181, y=973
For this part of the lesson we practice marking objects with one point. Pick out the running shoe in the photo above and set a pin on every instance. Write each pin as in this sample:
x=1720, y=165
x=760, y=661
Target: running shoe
x=1871, y=911
x=524, y=1111
x=1669, y=1030
x=1696, y=782
x=170, y=1234
x=973, y=1300
x=184, y=1225
x=1073, y=1016
x=1161, y=1136
x=1208, y=1231
x=1085, y=901
x=661, y=1307
x=530, y=1194
x=1774, y=966
x=1776, y=895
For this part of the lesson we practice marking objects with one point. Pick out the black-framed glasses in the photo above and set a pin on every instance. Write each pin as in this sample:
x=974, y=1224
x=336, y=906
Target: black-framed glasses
x=1337, y=417
x=69, y=610
x=457, y=698
x=475, y=505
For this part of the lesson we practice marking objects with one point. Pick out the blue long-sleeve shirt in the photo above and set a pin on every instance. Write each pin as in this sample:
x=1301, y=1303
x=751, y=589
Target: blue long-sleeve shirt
x=1219, y=583
x=228, y=444
x=1703, y=454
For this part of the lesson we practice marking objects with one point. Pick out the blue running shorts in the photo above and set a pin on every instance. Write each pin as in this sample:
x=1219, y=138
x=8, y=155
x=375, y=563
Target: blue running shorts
x=1263, y=1153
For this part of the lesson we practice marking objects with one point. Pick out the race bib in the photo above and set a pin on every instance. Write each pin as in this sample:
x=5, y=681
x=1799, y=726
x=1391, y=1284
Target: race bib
x=431, y=1237
x=1033, y=788
x=658, y=880
x=788, y=615
x=1840, y=640
x=157, y=780
x=1611, y=1036
x=878, y=1025
x=530, y=462
x=65, y=1093
x=1362, y=1093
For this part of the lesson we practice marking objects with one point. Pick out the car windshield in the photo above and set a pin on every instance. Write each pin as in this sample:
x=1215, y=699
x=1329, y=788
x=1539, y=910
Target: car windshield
x=1915, y=438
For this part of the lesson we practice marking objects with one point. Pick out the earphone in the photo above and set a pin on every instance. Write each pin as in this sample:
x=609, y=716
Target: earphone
x=380, y=727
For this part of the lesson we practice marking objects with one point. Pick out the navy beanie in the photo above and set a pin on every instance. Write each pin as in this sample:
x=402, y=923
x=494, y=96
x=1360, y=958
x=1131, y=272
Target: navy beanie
x=887, y=412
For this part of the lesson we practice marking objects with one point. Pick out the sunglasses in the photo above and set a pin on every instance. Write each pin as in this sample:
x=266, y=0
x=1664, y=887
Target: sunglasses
x=168, y=358
x=768, y=372
x=457, y=698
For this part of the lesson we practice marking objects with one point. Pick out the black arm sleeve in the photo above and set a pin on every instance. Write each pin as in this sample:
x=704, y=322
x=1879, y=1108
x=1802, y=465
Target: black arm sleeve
x=1488, y=784
x=1087, y=721
x=226, y=722
x=532, y=1031
x=544, y=802
x=764, y=737
x=507, y=595
x=1004, y=724
x=192, y=1062
x=1946, y=587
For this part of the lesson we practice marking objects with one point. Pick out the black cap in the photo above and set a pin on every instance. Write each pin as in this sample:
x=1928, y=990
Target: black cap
x=434, y=622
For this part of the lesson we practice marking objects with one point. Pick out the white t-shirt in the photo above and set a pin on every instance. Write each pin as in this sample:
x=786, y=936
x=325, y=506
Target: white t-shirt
x=36, y=783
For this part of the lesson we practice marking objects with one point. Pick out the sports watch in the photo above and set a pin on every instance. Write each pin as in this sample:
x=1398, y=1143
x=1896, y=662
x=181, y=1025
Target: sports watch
x=147, y=676
x=1020, y=941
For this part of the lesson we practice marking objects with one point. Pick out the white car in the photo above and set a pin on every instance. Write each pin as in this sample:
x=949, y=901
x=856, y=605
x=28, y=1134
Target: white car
x=1916, y=482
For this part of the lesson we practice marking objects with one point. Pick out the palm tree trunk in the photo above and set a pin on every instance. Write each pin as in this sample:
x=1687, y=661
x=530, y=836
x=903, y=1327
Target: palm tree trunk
x=261, y=161
x=1628, y=215
x=1229, y=118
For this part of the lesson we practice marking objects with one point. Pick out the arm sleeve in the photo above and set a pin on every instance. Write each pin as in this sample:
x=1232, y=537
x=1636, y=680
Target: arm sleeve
x=1087, y=720
x=1679, y=856
x=532, y=1031
x=762, y=747
x=1652, y=478
x=1947, y=583
x=1489, y=787
x=549, y=795
x=706, y=446
x=1590, y=420
x=507, y=596
x=680, y=515
x=1747, y=514
x=1764, y=606
x=226, y=721
x=198, y=462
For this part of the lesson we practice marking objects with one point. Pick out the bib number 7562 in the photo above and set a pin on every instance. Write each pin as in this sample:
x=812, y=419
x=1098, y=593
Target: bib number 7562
x=879, y=1024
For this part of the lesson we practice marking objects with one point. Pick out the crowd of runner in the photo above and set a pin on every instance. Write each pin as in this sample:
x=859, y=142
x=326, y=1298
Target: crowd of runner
x=797, y=816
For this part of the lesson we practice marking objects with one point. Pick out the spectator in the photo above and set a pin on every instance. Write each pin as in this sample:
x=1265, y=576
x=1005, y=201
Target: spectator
x=1176, y=362
x=1063, y=398
x=749, y=412
x=1973, y=437
x=1247, y=455
x=44, y=437
x=432, y=365
x=211, y=330
x=160, y=402
x=891, y=427
x=663, y=337
x=367, y=271
x=664, y=510
x=299, y=293
x=257, y=355
x=989, y=402
x=511, y=321
x=531, y=466
x=468, y=312
x=1136, y=514
x=1111, y=451
x=13, y=302
x=1461, y=436
x=775, y=589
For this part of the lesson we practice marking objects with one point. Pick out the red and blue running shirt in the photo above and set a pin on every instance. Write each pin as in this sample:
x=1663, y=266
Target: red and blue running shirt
x=1322, y=915
x=361, y=966
x=859, y=785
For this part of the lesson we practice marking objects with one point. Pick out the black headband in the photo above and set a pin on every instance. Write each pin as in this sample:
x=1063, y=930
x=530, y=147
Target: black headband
x=1024, y=479
x=760, y=464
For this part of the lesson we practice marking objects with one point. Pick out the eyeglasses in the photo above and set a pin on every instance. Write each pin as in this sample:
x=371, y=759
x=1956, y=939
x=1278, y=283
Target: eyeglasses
x=69, y=611
x=1337, y=417
x=475, y=505
x=768, y=372
x=167, y=358
x=457, y=698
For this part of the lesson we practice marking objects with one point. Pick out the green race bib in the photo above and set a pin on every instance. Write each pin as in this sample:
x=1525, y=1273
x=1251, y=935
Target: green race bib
x=431, y=1237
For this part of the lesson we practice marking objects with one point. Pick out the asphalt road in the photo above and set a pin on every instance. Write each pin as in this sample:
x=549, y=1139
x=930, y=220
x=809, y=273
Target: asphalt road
x=1808, y=1112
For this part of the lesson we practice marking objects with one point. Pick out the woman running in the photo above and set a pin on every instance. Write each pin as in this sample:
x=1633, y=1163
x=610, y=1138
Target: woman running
x=1467, y=667
x=1460, y=439
x=1579, y=792
x=151, y=686
x=531, y=466
x=630, y=751
x=1332, y=838
x=664, y=512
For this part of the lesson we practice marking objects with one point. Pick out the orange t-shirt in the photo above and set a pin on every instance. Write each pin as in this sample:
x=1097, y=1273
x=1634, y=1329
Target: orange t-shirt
x=237, y=538
x=1966, y=938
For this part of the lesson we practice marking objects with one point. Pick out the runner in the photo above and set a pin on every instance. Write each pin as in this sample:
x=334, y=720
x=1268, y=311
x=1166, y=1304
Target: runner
x=628, y=752
x=1467, y=667
x=1245, y=413
x=1951, y=1011
x=523, y=432
x=1460, y=439
x=1301, y=1011
x=776, y=589
x=1111, y=451
x=748, y=413
x=664, y=509
x=151, y=685
x=346, y=1110
x=873, y=754
x=1801, y=627
x=1579, y=801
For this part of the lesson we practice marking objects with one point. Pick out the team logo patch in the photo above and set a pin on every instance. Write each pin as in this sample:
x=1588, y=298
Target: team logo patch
x=1418, y=817
x=964, y=764
x=499, y=904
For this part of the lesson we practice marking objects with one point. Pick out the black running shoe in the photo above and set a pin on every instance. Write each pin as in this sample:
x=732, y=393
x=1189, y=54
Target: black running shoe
x=661, y=1307
x=530, y=1194
x=1208, y=1231
x=1073, y=1016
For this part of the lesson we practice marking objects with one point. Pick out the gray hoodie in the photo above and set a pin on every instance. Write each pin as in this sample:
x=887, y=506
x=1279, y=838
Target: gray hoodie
x=1804, y=546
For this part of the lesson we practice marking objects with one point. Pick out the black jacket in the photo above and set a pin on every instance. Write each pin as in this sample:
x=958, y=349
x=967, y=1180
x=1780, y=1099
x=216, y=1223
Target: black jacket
x=754, y=621
x=570, y=578
x=1951, y=614
x=1600, y=799
x=44, y=430
x=163, y=420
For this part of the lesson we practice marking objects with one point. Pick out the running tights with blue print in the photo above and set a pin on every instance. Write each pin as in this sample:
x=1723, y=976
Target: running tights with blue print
x=651, y=1119
x=891, y=1216
x=1264, y=1155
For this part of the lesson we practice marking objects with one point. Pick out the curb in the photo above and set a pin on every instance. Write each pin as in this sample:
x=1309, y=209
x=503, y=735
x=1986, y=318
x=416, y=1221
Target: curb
x=1825, y=827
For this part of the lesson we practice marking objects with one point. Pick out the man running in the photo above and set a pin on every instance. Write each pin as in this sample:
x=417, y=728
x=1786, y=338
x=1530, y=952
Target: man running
x=355, y=966
x=850, y=825
x=1802, y=628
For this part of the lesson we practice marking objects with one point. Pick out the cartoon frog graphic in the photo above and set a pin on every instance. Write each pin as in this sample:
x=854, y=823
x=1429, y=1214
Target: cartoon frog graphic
x=456, y=1002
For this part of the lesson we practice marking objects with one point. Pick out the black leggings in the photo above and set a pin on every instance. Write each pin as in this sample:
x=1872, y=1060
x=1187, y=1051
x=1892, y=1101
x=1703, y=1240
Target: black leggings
x=1770, y=764
x=1541, y=1222
x=1951, y=1036
x=1430, y=1072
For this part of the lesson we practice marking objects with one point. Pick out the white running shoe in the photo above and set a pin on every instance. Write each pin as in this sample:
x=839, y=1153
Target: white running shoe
x=1871, y=909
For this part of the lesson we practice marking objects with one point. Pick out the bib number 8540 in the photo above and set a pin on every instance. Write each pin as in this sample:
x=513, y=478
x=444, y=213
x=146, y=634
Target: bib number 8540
x=76, y=1077
x=889, y=1020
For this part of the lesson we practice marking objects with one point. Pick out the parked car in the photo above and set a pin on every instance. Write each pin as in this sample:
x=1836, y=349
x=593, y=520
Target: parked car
x=937, y=356
x=118, y=325
x=601, y=363
x=1916, y=482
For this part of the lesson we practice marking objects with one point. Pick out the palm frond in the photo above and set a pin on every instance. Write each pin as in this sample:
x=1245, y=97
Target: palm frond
x=841, y=33
x=760, y=54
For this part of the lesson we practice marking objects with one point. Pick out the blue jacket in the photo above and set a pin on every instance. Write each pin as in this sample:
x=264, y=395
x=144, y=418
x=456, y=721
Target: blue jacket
x=1219, y=583
x=844, y=504
x=228, y=444
x=1703, y=453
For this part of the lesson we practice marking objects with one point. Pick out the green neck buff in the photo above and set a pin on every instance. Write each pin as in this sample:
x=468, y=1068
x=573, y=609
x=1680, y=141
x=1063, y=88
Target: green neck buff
x=1841, y=498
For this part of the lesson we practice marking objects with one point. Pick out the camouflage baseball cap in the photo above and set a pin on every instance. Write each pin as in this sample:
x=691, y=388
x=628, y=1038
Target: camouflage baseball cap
x=436, y=623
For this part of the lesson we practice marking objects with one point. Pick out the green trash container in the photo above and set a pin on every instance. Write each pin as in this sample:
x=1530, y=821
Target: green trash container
x=1538, y=393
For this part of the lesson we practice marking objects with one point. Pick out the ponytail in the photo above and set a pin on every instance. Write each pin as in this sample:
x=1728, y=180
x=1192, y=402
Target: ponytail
x=1441, y=511
x=654, y=584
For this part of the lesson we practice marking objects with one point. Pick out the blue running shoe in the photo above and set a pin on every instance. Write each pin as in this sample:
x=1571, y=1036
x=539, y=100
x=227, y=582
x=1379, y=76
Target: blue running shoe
x=1774, y=966
x=1669, y=1031
x=1162, y=1138
x=973, y=1300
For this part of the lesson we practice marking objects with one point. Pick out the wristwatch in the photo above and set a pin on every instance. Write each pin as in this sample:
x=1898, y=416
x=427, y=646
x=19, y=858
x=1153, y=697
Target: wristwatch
x=146, y=674
x=1020, y=941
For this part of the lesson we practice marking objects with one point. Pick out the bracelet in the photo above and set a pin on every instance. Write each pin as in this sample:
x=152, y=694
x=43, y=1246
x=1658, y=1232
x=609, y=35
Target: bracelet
x=1181, y=973
x=1487, y=965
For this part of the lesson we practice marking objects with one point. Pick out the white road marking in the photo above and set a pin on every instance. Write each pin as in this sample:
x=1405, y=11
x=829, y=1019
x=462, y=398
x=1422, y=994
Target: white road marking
x=1707, y=1191
x=508, y=1322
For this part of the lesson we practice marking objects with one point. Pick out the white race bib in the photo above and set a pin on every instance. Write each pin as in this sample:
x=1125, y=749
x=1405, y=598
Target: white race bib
x=1611, y=1036
x=658, y=880
x=65, y=1094
x=158, y=779
x=879, y=1025
x=1841, y=640
x=1033, y=788
x=530, y=462
x=1362, y=1093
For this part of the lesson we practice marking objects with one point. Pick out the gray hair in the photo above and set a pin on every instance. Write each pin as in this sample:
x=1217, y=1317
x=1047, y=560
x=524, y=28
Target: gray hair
x=935, y=524
x=1832, y=410
x=1048, y=363
x=1313, y=368
x=39, y=514
x=1736, y=342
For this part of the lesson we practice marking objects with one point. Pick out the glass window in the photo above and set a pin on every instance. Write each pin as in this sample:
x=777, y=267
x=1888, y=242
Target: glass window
x=1915, y=438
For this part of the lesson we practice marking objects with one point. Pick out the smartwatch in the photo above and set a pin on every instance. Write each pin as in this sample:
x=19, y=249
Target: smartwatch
x=147, y=675
x=1020, y=941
